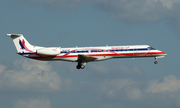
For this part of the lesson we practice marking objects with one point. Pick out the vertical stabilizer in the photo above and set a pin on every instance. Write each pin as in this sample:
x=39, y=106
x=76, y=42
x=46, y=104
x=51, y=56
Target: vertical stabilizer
x=20, y=42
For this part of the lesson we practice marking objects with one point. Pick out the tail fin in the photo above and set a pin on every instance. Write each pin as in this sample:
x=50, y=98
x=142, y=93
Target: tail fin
x=20, y=42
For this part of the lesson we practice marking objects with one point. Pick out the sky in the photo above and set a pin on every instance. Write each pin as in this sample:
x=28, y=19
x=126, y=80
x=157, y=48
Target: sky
x=115, y=83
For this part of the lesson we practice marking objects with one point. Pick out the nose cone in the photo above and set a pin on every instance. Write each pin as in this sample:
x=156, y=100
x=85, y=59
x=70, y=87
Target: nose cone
x=161, y=53
x=165, y=54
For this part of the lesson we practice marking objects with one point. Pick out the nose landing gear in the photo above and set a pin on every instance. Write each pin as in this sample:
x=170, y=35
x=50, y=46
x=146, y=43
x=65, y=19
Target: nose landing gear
x=155, y=62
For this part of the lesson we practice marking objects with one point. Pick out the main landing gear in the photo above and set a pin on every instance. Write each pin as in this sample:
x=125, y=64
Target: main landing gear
x=81, y=65
x=155, y=62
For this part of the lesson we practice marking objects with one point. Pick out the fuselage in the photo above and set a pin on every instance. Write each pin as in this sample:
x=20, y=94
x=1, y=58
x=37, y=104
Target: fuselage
x=82, y=55
x=101, y=53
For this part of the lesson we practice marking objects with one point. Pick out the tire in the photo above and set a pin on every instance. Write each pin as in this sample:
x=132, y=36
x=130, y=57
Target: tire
x=82, y=67
x=155, y=62
x=78, y=66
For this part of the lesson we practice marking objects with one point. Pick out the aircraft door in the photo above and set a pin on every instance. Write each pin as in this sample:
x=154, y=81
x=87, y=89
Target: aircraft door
x=148, y=50
x=135, y=52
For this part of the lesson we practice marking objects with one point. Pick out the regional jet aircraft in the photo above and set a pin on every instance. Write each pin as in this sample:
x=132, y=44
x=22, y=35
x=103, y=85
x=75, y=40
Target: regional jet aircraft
x=82, y=55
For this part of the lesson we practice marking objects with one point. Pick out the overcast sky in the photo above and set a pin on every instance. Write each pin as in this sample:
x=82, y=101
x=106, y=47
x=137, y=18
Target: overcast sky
x=116, y=83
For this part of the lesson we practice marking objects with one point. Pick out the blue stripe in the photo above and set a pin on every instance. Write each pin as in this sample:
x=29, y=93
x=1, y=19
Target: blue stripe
x=26, y=53
x=142, y=49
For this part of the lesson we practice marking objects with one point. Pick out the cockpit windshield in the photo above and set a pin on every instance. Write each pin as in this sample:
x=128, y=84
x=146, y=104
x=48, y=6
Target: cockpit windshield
x=151, y=48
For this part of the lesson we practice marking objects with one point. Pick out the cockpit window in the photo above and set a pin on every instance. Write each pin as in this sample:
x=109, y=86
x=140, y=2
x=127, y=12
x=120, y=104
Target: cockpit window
x=151, y=48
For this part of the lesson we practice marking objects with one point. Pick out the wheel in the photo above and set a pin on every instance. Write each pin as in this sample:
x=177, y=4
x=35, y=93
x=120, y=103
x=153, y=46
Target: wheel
x=82, y=67
x=155, y=62
x=78, y=66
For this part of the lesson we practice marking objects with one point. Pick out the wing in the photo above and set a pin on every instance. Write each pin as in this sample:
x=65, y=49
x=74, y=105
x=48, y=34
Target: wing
x=86, y=58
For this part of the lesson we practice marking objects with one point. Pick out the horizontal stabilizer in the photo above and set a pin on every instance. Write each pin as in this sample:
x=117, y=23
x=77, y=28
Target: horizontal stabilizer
x=14, y=35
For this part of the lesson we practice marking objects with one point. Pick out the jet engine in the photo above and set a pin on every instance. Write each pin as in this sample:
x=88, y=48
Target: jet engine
x=48, y=51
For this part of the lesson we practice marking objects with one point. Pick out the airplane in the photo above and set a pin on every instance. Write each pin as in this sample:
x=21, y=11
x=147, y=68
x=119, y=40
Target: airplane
x=83, y=55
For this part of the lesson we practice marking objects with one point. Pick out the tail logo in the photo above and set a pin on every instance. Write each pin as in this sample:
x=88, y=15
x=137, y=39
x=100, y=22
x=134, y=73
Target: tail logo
x=22, y=44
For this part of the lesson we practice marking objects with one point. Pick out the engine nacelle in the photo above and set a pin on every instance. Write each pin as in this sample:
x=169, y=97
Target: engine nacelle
x=48, y=51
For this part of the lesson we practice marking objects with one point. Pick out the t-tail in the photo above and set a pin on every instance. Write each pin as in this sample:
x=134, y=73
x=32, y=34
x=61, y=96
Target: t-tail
x=20, y=43
x=26, y=49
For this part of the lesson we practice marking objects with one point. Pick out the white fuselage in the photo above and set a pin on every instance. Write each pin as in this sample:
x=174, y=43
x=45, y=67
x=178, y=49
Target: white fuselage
x=101, y=53
x=82, y=55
